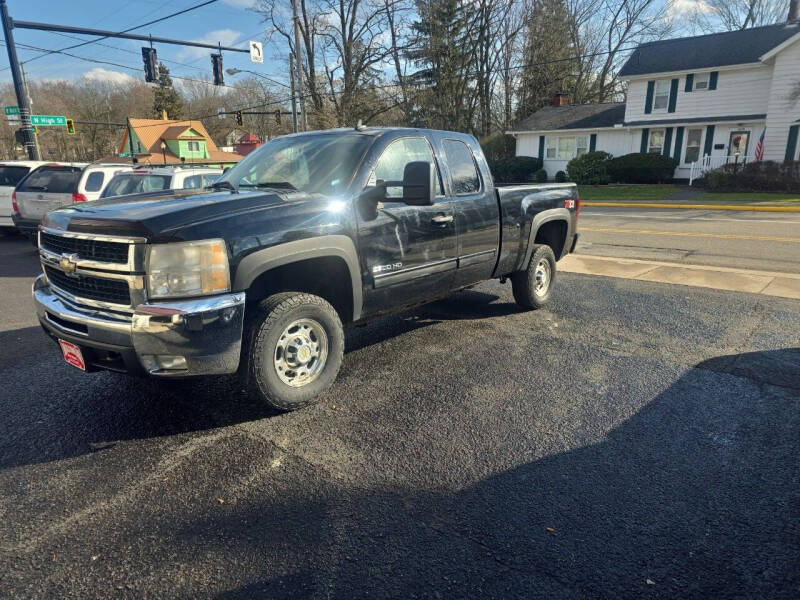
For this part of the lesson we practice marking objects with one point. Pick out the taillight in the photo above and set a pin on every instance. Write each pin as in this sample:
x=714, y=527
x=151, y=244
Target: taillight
x=14, y=205
x=79, y=198
x=577, y=205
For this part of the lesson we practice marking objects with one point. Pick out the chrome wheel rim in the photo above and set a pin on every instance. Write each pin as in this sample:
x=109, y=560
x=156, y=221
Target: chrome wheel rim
x=301, y=352
x=542, y=274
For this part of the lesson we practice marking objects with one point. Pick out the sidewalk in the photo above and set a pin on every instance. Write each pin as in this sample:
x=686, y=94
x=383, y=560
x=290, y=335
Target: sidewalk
x=784, y=285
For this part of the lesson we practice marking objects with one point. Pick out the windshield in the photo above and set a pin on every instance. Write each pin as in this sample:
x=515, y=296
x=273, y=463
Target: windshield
x=55, y=180
x=10, y=176
x=136, y=184
x=323, y=163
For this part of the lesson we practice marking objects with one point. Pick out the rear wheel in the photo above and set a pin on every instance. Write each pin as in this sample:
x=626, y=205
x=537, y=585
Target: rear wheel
x=295, y=344
x=532, y=287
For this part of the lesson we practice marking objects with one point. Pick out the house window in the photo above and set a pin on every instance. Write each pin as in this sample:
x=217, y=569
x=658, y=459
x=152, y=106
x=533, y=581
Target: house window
x=701, y=82
x=693, y=140
x=567, y=148
x=661, y=98
x=656, y=143
x=193, y=146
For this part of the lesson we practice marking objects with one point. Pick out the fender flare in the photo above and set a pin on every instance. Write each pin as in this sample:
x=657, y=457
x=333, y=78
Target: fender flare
x=340, y=246
x=551, y=214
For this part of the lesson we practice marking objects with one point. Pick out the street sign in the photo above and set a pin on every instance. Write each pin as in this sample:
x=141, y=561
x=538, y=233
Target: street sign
x=256, y=52
x=11, y=111
x=48, y=121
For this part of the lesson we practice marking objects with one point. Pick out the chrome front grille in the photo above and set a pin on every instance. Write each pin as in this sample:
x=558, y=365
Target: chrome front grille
x=96, y=271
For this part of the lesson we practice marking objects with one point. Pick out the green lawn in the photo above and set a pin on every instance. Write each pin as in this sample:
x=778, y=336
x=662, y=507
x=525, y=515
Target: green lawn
x=660, y=193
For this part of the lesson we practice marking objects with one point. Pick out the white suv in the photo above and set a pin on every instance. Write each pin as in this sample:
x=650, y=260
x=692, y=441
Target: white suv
x=95, y=178
x=140, y=181
x=11, y=173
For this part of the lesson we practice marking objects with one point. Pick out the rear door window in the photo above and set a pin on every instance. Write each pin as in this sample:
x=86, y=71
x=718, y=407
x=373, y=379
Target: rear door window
x=94, y=182
x=11, y=176
x=463, y=172
x=136, y=184
x=193, y=182
x=52, y=180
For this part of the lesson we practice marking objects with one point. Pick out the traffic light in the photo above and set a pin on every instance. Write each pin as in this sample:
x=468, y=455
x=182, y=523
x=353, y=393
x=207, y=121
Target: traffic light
x=239, y=117
x=150, y=64
x=278, y=116
x=35, y=129
x=70, y=127
x=216, y=66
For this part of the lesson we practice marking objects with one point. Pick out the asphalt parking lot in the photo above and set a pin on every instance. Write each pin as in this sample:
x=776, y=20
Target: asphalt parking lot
x=636, y=440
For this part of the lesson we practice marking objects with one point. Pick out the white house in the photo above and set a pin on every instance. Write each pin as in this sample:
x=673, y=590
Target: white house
x=705, y=99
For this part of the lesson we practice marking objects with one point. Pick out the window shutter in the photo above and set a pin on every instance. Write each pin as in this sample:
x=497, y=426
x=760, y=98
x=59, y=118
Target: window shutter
x=648, y=103
x=645, y=139
x=791, y=144
x=593, y=142
x=678, y=144
x=712, y=81
x=689, y=82
x=541, y=148
x=673, y=95
x=709, y=140
x=667, y=141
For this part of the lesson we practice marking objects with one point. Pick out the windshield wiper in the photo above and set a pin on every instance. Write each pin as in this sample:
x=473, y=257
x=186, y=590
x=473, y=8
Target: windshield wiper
x=276, y=185
x=224, y=185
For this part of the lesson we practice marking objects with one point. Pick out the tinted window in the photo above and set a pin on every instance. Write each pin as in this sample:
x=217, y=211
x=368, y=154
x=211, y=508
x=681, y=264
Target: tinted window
x=393, y=161
x=193, y=182
x=94, y=183
x=136, y=184
x=52, y=180
x=320, y=163
x=11, y=176
x=462, y=167
x=209, y=179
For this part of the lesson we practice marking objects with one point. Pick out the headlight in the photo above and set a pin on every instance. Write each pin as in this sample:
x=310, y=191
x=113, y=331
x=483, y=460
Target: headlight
x=188, y=269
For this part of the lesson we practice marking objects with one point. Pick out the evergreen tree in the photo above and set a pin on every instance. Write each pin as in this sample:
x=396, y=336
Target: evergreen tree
x=547, y=48
x=165, y=98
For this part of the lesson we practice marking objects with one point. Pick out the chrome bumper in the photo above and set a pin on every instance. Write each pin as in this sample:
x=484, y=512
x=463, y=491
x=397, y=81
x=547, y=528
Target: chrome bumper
x=186, y=338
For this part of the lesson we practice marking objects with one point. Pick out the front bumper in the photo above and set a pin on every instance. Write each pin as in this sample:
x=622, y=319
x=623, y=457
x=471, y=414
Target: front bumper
x=167, y=339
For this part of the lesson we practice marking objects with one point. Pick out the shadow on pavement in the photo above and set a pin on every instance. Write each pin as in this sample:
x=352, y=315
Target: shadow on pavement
x=694, y=496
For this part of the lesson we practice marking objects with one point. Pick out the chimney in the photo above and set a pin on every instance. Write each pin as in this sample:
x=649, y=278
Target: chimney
x=561, y=99
x=164, y=115
x=794, y=11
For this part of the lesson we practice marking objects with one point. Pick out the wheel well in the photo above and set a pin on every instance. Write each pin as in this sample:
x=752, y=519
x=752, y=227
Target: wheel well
x=327, y=277
x=554, y=234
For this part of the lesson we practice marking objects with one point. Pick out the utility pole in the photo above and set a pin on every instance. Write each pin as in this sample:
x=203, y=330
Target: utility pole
x=298, y=54
x=30, y=103
x=294, y=95
x=28, y=138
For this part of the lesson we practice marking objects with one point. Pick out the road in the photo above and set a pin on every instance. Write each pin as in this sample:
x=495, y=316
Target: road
x=739, y=239
x=636, y=440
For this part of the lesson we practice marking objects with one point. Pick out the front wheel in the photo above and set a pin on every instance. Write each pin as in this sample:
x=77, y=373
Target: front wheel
x=533, y=286
x=295, y=344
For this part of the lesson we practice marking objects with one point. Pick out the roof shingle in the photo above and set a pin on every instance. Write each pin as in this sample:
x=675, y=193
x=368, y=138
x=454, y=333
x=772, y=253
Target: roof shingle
x=575, y=116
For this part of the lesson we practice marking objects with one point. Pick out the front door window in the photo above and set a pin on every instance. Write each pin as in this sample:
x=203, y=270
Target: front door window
x=739, y=143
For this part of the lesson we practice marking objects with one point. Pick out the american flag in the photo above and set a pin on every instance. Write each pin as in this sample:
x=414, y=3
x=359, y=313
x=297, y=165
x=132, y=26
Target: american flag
x=760, y=147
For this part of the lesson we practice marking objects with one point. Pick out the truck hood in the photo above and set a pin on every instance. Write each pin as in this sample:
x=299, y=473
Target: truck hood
x=158, y=216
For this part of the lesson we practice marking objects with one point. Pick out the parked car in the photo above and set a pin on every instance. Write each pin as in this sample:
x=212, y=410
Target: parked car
x=45, y=188
x=96, y=177
x=257, y=275
x=11, y=173
x=140, y=181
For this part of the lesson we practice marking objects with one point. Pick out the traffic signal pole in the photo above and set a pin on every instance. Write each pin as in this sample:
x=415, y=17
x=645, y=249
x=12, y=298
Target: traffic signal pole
x=29, y=140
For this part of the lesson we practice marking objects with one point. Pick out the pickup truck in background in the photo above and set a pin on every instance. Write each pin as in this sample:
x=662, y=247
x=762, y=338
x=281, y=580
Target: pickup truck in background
x=258, y=274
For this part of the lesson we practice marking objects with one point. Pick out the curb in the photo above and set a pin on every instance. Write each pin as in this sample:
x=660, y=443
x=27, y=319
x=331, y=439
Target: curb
x=751, y=207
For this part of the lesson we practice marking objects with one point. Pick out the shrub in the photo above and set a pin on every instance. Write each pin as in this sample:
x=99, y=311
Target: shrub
x=764, y=176
x=561, y=177
x=514, y=169
x=540, y=176
x=641, y=168
x=590, y=168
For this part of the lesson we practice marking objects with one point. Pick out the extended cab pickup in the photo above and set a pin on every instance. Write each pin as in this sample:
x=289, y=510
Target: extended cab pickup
x=257, y=274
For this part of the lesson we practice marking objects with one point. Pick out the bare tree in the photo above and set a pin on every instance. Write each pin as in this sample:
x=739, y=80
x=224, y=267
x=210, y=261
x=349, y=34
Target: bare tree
x=731, y=15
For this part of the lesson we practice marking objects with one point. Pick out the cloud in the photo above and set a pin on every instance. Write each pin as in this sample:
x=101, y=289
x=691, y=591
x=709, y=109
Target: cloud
x=105, y=75
x=679, y=9
x=226, y=37
x=240, y=3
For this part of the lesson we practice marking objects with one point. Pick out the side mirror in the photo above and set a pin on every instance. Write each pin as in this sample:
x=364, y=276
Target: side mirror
x=419, y=183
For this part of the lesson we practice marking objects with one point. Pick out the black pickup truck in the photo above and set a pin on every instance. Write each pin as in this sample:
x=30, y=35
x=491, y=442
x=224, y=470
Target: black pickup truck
x=257, y=274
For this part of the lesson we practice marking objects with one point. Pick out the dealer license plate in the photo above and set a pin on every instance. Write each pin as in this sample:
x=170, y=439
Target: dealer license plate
x=72, y=354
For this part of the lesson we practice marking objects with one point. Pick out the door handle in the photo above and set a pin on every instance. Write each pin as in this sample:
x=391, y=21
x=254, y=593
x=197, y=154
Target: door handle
x=442, y=219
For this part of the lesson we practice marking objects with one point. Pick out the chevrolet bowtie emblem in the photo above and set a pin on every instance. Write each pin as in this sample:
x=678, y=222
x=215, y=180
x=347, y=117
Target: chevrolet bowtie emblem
x=68, y=264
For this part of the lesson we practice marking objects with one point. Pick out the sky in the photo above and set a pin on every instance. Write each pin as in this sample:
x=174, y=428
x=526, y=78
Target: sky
x=230, y=22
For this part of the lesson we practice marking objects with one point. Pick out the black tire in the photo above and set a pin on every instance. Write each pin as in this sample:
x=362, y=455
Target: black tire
x=528, y=293
x=266, y=328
